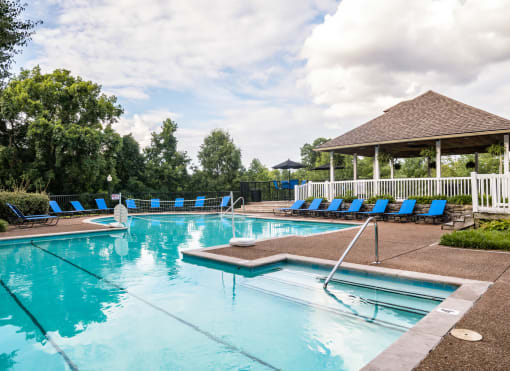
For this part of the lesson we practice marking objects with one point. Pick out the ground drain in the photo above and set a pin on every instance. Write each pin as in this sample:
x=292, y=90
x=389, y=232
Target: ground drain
x=464, y=334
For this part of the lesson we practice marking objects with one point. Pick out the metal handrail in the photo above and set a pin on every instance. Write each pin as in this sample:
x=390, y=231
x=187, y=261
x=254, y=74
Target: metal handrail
x=233, y=204
x=351, y=245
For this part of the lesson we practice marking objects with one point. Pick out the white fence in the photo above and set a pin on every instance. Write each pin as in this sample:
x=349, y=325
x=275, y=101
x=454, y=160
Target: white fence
x=400, y=189
x=489, y=192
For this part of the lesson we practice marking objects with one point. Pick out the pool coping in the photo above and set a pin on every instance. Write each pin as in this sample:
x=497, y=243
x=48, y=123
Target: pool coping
x=107, y=229
x=414, y=345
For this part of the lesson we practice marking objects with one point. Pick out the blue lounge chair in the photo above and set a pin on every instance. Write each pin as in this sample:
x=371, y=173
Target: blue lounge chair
x=285, y=184
x=78, y=207
x=224, y=202
x=131, y=205
x=303, y=182
x=289, y=210
x=275, y=183
x=293, y=183
x=351, y=211
x=155, y=204
x=179, y=203
x=406, y=211
x=55, y=208
x=378, y=209
x=22, y=220
x=333, y=206
x=199, y=202
x=436, y=211
x=101, y=205
x=314, y=206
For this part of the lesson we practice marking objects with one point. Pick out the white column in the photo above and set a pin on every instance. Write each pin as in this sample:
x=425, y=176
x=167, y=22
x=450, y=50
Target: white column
x=438, y=166
x=331, y=167
x=377, y=174
x=505, y=157
x=476, y=162
x=474, y=191
x=392, y=173
x=355, y=166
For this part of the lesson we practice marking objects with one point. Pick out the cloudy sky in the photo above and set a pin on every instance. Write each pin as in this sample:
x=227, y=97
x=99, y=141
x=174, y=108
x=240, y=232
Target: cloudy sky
x=275, y=74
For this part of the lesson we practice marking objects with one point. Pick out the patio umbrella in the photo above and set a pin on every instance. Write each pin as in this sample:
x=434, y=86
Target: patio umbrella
x=289, y=164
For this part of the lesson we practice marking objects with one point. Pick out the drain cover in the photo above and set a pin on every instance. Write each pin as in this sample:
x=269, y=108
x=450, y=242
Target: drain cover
x=468, y=335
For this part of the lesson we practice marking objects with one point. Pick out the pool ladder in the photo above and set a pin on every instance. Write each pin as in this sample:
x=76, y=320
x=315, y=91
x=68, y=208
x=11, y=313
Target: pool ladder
x=351, y=245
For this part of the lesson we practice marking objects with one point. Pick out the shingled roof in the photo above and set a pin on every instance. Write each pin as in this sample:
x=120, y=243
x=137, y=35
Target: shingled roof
x=427, y=117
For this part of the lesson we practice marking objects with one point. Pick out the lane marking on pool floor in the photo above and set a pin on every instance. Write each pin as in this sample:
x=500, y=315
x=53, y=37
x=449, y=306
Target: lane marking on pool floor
x=162, y=310
x=37, y=324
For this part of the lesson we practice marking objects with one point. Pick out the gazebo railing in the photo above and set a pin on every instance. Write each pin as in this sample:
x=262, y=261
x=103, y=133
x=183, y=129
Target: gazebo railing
x=400, y=188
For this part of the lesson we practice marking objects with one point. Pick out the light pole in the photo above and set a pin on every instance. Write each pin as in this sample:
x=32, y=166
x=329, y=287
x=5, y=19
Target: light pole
x=109, y=180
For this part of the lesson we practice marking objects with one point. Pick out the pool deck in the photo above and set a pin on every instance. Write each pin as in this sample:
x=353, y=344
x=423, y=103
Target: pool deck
x=404, y=246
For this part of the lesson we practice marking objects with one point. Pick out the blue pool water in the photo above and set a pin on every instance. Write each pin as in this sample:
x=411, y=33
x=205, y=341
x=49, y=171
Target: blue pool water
x=127, y=300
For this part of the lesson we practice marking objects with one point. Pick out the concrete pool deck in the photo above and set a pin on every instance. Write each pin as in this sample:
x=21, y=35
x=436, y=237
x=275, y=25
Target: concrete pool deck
x=405, y=246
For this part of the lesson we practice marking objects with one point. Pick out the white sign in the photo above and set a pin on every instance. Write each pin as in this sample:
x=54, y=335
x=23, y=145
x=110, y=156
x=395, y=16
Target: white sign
x=115, y=196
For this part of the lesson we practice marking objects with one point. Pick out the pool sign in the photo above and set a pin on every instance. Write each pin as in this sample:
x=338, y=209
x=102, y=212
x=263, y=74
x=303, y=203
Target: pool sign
x=115, y=196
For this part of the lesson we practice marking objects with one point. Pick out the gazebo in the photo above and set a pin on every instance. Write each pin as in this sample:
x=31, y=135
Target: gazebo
x=404, y=130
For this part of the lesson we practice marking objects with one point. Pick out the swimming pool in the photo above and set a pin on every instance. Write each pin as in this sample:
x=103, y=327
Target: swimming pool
x=127, y=300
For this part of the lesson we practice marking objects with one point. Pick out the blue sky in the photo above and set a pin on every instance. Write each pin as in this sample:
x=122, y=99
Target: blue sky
x=274, y=74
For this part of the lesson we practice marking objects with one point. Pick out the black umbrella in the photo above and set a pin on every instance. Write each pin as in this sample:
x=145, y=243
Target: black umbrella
x=289, y=164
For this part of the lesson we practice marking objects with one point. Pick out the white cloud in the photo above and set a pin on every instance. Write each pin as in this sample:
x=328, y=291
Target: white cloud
x=371, y=54
x=142, y=125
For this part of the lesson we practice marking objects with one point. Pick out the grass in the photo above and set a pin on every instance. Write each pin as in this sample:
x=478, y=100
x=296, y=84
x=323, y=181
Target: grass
x=478, y=239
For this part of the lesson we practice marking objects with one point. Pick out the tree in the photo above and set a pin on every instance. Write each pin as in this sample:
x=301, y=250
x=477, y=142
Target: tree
x=166, y=167
x=130, y=166
x=220, y=160
x=55, y=130
x=258, y=172
x=14, y=33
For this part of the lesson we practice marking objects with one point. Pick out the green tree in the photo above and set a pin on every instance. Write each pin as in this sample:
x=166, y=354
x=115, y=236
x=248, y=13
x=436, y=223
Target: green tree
x=166, y=167
x=259, y=173
x=221, y=161
x=130, y=166
x=14, y=33
x=55, y=130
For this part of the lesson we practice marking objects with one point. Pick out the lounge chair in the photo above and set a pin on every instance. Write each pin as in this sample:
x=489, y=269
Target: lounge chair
x=55, y=209
x=275, y=184
x=314, y=206
x=131, y=205
x=179, y=203
x=199, y=202
x=224, y=202
x=293, y=183
x=289, y=210
x=406, y=211
x=378, y=209
x=303, y=182
x=351, y=211
x=333, y=206
x=284, y=184
x=101, y=205
x=155, y=203
x=22, y=220
x=436, y=211
x=78, y=207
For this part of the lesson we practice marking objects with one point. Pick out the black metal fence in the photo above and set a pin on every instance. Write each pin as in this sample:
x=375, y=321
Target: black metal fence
x=88, y=199
x=265, y=191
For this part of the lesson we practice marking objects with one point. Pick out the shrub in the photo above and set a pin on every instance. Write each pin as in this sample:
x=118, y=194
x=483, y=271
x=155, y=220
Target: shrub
x=478, y=239
x=28, y=203
x=457, y=200
x=3, y=225
x=373, y=199
x=495, y=225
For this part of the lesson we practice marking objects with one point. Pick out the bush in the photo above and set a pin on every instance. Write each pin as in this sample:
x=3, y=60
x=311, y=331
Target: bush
x=457, y=200
x=478, y=239
x=3, y=225
x=373, y=199
x=495, y=225
x=28, y=203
